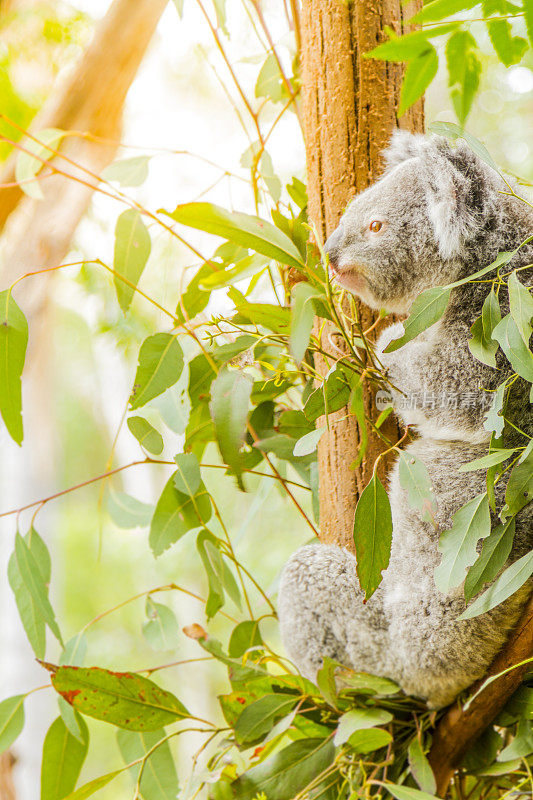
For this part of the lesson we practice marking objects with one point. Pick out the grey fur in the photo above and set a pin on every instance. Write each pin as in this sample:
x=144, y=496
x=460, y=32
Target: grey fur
x=443, y=218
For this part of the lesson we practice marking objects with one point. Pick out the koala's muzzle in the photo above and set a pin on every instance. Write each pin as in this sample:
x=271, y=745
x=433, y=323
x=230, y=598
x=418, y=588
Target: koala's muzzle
x=333, y=247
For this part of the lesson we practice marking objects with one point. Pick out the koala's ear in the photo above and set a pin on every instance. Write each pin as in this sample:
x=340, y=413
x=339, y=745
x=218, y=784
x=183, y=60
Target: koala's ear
x=461, y=195
x=403, y=145
x=448, y=211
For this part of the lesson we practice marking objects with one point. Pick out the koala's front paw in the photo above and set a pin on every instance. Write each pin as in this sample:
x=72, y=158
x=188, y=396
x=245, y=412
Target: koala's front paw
x=394, y=331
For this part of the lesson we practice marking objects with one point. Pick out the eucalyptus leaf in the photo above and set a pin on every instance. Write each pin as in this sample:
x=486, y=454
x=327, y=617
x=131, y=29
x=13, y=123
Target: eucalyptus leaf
x=426, y=310
x=159, y=779
x=230, y=397
x=132, y=249
x=176, y=514
x=495, y=552
x=63, y=757
x=13, y=342
x=372, y=533
x=11, y=720
x=145, y=433
x=242, y=229
x=419, y=73
x=160, y=366
x=128, y=171
x=509, y=582
x=124, y=699
x=458, y=544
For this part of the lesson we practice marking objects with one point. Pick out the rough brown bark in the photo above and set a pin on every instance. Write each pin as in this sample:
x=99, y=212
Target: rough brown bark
x=458, y=729
x=350, y=106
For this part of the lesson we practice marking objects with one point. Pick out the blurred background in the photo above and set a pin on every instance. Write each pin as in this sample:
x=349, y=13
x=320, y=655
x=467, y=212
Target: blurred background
x=175, y=108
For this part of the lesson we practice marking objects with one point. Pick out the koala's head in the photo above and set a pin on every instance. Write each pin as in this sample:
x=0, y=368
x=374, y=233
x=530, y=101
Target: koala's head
x=414, y=228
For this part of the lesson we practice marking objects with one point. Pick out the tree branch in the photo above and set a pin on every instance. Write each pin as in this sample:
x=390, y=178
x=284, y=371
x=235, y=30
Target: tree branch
x=461, y=727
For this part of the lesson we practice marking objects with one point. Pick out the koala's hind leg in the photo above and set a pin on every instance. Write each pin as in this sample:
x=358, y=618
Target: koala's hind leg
x=321, y=613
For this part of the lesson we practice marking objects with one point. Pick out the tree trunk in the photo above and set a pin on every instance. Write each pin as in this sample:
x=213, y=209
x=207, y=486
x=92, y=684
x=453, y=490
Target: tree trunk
x=350, y=110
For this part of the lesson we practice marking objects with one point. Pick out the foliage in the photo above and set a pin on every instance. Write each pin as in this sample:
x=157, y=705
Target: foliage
x=246, y=382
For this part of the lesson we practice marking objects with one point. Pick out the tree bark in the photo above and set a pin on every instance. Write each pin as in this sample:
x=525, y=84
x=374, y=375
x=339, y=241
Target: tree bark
x=350, y=110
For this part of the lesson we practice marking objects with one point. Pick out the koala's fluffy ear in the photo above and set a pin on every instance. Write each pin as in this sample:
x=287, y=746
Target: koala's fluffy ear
x=461, y=195
x=403, y=145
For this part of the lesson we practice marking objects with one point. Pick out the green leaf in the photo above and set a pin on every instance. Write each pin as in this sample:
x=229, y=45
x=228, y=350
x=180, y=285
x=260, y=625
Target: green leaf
x=187, y=478
x=161, y=630
x=11, y=720
x=503, y=587
x=357, y=408
x=372, y=534
x=146, y=435
x=90, y=788
x=270, y=81
x=127, y=171
x=509, y=48
x=522, y=744
x=494, y=420
x=243, y=229
x=414, y=479
x=259, y=717
x=405, y=793
x=132, y=248
x=32, y=579
x=160, y=365
x=264, y=315
x=128, y=512
x=363, y=683
x=464, y=70
x=495, y=552
x=159, y=779
x=230, y=398
x=521, y=306
x=487, y=461
x=212, y=561
x=440, y=9
x=74, y=652
x=13, y=342
x=331, y=396
x=359, y=719
x=510, y=340
x=244, y=636
x=29, y=613
x=309, y=443
x=420, y=767
x=302, y=317
x=124, y=699
x=419, y=73
x=458, y=544
x=175, y=514
x=402, y=48
x=426, y=310
x=482, y=346
x=63, y=757
x=29, y=163
x=519, y=489
x=73, y=721
x=195, y=297
x=249, y=265
x=367, y=741
x=287, y=772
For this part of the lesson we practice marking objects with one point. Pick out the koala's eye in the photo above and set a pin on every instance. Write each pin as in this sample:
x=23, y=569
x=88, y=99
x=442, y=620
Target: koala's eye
x=375, y=226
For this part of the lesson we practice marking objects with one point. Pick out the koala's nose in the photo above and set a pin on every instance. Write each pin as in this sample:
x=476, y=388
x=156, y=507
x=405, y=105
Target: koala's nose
x=332, y=247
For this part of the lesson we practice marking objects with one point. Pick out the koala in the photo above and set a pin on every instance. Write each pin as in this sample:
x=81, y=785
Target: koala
x=436, y=215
